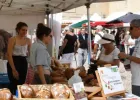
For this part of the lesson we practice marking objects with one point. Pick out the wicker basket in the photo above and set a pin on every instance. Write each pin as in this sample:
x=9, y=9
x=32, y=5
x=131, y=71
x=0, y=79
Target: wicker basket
x=71, y=97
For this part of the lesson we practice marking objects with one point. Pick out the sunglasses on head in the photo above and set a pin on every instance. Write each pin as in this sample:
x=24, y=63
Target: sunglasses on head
x=131, y=28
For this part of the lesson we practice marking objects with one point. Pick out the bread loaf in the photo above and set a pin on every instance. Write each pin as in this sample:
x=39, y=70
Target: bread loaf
x=45, y=94
x=5, y=94
x=60, y=91
x=42, y=91
x=36, y=88
x=27, y=91
x=69, y=73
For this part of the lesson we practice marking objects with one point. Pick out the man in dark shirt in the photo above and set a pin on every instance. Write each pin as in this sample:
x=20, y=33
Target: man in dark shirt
x=83, y=47
x=68, y=47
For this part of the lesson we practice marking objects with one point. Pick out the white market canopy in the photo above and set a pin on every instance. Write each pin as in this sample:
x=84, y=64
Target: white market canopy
x=96, y=17
x=41, y=6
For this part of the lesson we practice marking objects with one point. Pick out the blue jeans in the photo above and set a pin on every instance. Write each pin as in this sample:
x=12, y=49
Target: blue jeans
x=131, y=50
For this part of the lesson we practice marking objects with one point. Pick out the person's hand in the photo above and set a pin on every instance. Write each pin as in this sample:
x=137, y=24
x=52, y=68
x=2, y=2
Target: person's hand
x=60, y=72
x=93, y=57
x=53, y=58
x=101, y=62
x=75, y=52
x=15, y=74
x=122, y=55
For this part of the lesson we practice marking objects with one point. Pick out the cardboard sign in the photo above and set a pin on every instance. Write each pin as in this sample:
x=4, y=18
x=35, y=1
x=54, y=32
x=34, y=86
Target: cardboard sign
x=78, y=87
x=79, y=91
x=110, y=79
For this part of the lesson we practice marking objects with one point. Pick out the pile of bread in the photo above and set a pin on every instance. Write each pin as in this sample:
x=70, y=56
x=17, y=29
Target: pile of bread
x=60, y=72
x=55, y=64
x=5, y=94
x=56, y=91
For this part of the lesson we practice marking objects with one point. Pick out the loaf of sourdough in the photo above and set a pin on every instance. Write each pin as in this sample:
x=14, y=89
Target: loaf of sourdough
x=44, y=92
x=60, y=91
x=27, y=91
x=5, y=94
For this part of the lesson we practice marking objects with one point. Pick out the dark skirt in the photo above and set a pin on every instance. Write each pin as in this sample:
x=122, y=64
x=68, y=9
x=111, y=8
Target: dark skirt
x=21, y=66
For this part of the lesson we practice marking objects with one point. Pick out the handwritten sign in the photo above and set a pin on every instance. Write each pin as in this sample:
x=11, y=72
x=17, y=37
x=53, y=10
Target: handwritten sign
x=110, y=79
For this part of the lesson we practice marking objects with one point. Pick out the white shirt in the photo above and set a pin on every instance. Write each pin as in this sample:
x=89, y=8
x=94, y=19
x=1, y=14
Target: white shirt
x=126, y=38
x=132, y=41
x=135, y=67
x=97, y=37
x=83, y=36
x=110, y=57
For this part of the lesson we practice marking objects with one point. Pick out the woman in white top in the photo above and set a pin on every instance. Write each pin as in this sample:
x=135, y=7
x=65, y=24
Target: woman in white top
x=18, y=49
x=109, y=53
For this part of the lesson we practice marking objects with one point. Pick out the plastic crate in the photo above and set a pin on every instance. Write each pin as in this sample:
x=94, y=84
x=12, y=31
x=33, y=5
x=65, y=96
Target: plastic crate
x=4, y=78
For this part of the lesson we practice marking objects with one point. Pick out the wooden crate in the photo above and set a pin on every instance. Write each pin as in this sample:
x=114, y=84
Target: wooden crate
x=71, y=97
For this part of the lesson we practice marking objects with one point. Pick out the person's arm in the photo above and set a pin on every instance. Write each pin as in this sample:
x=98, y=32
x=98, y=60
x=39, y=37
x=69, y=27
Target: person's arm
x=10, y=52
x=75, y=47
x=95, y=48
x=77, y=43
x=134, y=59
x=29, y=46
x=63, y=45
x=41, y=61
x=114, y=62
x=11, y=44
x=122, y=55
x=96, y=38
x=41, y=74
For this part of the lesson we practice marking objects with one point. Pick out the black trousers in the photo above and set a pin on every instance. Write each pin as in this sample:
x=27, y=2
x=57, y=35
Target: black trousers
x=136, y=90
x=21, y=67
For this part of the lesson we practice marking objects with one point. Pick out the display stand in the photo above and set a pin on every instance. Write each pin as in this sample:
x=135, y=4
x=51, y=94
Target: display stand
x=100, y=90
x=121, y=93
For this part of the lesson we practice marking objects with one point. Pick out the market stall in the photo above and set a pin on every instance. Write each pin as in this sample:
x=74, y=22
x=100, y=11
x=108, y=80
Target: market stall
x=109, y=87
x=49, y=90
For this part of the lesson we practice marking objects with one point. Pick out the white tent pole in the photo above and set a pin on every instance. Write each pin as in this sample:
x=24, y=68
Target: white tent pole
x=53, y=41
x=89, y=32
x=52, y=21
x=48, y=19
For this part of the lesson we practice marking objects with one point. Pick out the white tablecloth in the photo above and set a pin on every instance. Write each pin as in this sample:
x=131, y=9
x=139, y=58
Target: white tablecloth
x=128, y=95
x=3, y=66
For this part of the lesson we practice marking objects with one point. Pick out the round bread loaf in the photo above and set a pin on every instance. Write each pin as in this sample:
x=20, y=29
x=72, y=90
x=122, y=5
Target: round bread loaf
x=27, y=91
x=5, y=94
x=60, y=91
x=42, y=91
x=45, y=94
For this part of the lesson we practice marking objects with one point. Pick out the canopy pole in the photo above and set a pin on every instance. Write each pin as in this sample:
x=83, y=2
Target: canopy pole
x=48, y=21
x=50, y=46
x=52, y=21
x=89, y=32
